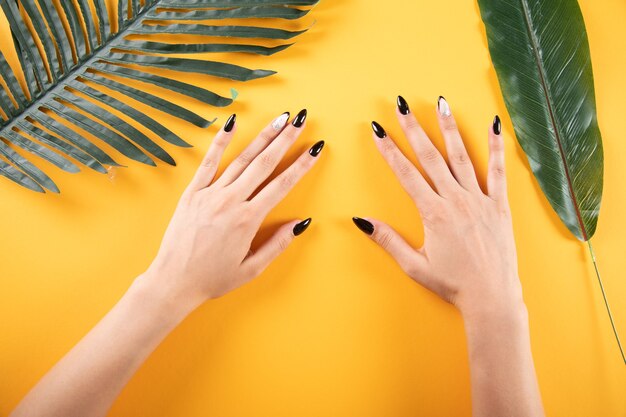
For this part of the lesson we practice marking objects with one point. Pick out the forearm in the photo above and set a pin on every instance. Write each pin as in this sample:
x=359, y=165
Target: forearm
x=89, y=378
x=501, y=363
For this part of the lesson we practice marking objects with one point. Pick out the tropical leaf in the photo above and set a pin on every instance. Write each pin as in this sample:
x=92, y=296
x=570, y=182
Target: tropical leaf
x=67, y=79
x=541, y=55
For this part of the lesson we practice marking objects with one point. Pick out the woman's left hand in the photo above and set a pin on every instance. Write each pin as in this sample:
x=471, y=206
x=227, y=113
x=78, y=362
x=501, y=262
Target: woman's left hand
x=205, y=252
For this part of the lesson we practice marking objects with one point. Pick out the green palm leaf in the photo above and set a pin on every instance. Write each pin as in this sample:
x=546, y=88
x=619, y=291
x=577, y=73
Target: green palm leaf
x=541, y=54
x=35, y=120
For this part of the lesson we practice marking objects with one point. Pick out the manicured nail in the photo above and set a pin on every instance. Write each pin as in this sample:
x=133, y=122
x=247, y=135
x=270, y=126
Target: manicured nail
x=300, y=118
x=230, y=123
x=403, y=106
x=497, y=125
x=378, y=130
x=365, y=226
x=280, y=121
x=317, y=148
x=299, y=228
x=444, y=108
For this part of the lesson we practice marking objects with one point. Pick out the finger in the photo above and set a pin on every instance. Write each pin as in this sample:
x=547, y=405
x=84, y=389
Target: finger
x=460, y=162
x=264, y=164
x=427, y=154
x=267, y=135
x=410, y=178
x=496, y=176
x=257, y=262
x=208, y=167
x=280, y=186
x=410, y=260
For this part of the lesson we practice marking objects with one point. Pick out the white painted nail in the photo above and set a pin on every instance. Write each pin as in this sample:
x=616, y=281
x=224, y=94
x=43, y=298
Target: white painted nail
x=444, y=108
x=280, y=121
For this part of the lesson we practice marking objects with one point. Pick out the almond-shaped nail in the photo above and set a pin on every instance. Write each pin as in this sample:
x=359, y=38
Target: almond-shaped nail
x=378, y=130
x=299, y=228
x=280, y=121
x=363, y=225
x=403, y=106
x=230, y=123
x=497, y=125
x=443, y=106
x=316, y=149
x=298, y=121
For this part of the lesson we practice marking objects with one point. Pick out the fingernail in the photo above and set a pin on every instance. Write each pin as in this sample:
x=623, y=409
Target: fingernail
x=317, y=148
x=403, y=106
x=378, y=130
x=300, y=118
x=365, y=226
x=280, y=121
x=497, y=125
x=444, y=108
x=299, y=228
x=230, y=123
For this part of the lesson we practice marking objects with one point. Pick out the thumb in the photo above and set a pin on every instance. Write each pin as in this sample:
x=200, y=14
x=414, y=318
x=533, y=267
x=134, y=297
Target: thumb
x=411, y=261
x=257, y=262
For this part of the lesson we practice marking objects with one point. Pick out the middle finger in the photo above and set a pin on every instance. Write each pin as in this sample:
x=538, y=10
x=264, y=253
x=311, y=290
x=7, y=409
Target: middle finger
x=264, y=164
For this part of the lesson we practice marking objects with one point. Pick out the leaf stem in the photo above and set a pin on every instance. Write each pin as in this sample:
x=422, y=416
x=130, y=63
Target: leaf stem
x=606, y=303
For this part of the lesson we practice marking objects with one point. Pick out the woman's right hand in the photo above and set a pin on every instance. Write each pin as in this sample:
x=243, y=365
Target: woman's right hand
x=468, y=257
x=205, y=252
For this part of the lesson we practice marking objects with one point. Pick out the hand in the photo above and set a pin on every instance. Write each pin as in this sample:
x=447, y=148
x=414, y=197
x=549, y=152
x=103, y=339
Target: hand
x=468, y=257
x=205, y=252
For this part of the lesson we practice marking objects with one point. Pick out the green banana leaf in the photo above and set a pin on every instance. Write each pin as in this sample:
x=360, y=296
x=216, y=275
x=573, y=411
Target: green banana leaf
x=56, y=81
x=541, y=55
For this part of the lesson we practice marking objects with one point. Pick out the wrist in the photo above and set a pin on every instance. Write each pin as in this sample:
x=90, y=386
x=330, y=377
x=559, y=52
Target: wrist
x=500, y=317
x=501, y=307
x=154, y=290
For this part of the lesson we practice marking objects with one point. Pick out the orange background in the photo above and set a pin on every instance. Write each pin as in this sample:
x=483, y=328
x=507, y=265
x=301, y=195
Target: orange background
x=333, y=328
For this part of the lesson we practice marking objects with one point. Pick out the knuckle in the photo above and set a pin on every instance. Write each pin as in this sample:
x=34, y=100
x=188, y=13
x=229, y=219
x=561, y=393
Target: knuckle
x=460, y=158
x=220, y=141
x=245, y=158
x=208, y=163
x=429, y=154
x=411, y=123
x=266, y=137
x=267, y=160
x=283, y=243
x=387, y=146
x=461, y=203
x=384, y=239
x=404, y=168
x=287, y=181
x=497, y=144
x=499, y=171
x=449, y=126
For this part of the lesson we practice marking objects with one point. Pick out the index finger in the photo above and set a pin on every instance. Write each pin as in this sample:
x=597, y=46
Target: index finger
x=410, y=178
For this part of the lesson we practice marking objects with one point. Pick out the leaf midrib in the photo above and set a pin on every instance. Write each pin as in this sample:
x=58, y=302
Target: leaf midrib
x=544, y=84
x=80, y=67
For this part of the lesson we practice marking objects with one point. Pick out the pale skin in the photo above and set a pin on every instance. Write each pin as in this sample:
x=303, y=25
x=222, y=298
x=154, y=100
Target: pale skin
x=468, y=259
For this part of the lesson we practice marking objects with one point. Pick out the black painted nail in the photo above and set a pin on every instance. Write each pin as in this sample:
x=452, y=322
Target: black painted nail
x=497, y=125
x=317, y=148
x=299, y=228
x=300, y=118
x=403, y=106
x=378, y=129
x=230, y=123
x=365, y=226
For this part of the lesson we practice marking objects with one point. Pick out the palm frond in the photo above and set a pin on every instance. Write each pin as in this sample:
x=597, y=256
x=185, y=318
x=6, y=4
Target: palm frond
x=67, y=80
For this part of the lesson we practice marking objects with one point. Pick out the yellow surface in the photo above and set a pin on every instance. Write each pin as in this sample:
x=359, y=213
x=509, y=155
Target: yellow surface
x=333, y=328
